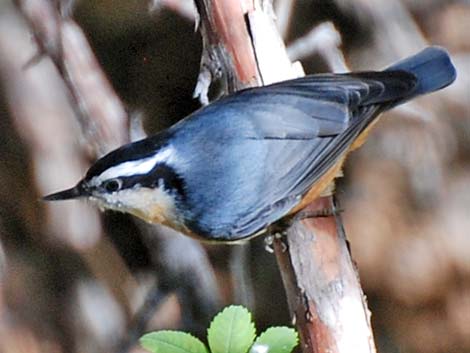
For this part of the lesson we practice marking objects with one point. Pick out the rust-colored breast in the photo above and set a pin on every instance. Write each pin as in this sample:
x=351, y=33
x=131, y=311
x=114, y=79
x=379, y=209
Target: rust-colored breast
x=325, y=182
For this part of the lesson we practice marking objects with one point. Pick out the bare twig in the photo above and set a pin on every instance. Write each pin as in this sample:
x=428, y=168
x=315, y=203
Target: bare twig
x=227, y=51
x=43, y=112
x=60, y=157
x=184, y=8
x=100, y=111
x=3, y=270
x=102, y=115
x=45, y=122
x=323, y=39
x=241, y=275
x=193, y=270
x=283, y=10
x=395, y=33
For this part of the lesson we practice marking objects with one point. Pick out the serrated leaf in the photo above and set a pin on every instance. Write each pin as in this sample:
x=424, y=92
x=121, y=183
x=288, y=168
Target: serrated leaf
x=172, y=342
x=231, y=331
x=276, y=340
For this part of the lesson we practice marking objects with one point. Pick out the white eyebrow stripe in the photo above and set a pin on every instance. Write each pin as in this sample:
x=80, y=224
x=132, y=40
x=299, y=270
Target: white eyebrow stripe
x=137, y=167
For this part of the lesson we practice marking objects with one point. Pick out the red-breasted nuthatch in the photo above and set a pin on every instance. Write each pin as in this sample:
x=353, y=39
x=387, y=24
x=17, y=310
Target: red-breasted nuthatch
x=236, y=166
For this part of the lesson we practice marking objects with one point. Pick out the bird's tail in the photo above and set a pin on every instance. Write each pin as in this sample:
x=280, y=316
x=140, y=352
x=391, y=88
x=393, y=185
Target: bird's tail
x=432, y=67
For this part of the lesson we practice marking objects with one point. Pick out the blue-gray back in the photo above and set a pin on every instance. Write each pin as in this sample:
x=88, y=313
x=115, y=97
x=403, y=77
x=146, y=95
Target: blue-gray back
x=250, y=157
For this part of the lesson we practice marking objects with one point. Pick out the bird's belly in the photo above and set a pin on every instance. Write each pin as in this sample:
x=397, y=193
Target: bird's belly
x=325, y=185
x=322, y=185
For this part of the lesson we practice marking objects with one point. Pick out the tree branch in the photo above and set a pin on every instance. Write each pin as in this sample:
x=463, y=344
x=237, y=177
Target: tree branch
x=101, y=113
x=322, y=285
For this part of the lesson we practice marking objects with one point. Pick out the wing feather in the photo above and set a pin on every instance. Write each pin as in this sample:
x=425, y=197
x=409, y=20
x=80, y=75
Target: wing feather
x=277, y=140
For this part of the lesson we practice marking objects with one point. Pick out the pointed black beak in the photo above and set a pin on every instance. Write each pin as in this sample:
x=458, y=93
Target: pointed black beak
x=73, y=193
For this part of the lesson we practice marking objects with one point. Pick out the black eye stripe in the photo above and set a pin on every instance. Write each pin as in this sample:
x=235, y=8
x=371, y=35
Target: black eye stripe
x=160, y=174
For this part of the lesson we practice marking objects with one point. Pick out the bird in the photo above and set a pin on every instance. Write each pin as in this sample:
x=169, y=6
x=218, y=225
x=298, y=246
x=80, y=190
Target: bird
x=253, y=158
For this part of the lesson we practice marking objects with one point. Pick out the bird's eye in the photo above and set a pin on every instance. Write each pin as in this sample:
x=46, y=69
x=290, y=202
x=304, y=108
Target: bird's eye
x=112, y=185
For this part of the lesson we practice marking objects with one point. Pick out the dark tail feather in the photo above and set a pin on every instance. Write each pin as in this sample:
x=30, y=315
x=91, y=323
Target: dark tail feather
x=432, y=68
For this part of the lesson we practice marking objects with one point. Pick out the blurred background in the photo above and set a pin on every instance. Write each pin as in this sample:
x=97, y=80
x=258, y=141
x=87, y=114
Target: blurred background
x=72, y=279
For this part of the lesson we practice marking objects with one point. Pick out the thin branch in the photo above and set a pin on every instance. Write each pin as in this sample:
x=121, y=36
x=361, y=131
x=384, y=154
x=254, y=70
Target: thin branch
x=101, y=112
x=99, y=109
x=227, y=51
x=184, y=8
x=324, y=40
x=283, y=10
x=239, y=263
x=322, y=286
x=42, y=116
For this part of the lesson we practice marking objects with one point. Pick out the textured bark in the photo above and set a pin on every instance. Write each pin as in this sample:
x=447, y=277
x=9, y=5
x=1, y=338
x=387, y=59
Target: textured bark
x=323, y=288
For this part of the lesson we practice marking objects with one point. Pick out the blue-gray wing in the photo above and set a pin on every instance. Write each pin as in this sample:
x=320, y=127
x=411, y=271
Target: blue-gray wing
x=265, y=147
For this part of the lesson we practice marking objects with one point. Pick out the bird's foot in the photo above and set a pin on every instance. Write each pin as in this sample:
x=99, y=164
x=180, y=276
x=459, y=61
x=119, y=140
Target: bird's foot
x=276, y=232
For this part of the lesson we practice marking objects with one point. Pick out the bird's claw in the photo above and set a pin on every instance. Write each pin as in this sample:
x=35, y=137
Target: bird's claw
x=269, y=243
x=278, y=235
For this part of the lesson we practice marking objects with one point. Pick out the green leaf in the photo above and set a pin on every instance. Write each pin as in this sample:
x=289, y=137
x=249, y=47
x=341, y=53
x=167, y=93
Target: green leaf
x=231, y=331
x=172, y=342
x=276, y=340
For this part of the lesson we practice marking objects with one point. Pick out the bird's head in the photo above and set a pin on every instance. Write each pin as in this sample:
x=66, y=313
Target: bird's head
x=132, y=180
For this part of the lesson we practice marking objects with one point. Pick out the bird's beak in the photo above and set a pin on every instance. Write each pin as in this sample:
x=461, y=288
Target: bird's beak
x=72, y=193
